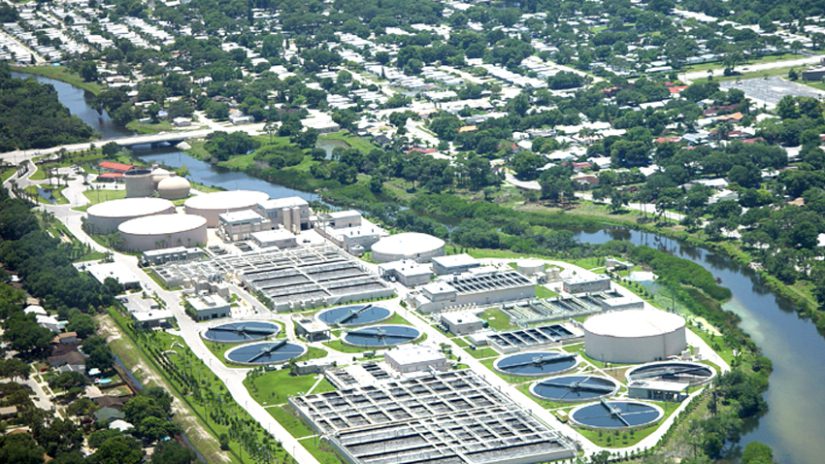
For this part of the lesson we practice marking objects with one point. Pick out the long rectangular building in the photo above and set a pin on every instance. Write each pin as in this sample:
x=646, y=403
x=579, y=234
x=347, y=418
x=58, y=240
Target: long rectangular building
x=453, y=417
x=287, y=279
x=477, y=287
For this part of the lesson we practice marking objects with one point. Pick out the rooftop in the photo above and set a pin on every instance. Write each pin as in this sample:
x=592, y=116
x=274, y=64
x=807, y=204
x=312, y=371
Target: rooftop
x=634, y=323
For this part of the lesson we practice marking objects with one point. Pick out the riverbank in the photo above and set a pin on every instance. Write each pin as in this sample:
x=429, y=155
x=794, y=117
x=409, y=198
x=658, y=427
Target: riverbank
x=63, y=74
x=802, y=299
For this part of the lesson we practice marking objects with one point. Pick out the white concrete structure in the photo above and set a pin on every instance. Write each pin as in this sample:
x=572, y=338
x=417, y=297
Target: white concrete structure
x=634, y=336
x=163, y=231
x=291, y=212
x=479, y=286
x=408, y=272
x=204, y=307
x=275, y=238
x=454, y=264
x=173, y=188
x=586, y=283
x=139, y=183
x=416, y=358
x=531, y=267
x=462, y=322
x=212, y=205
x=240, y=225
x=104, y=218
x=407, y=245
x=102, y=271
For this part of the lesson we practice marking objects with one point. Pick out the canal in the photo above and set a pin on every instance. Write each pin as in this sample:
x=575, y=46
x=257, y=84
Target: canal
x=796, y=418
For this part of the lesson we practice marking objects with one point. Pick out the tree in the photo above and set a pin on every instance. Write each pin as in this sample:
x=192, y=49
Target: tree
x=120, y=449
x=757, y=453
x=526, y=165
x=60, y=436
x=81, y=323
x=14, y=368
x=306, y=139
x=171, y=452
x=556, y=185
x=154, y=428
x=25, y=335
x=88, y=71
x=20, y=448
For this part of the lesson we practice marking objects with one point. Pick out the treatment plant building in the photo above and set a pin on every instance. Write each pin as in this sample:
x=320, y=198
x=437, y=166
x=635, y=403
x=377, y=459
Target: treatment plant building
x=634, y=336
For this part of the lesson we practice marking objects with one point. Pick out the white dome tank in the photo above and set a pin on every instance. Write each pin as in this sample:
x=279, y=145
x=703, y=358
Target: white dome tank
x=174, y=188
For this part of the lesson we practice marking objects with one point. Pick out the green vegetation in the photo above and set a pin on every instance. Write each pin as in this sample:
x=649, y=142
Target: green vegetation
x=197, y=385
x=63, y=74
x=149, y=128
x=497, y=319
x=101, y=195
x=275, y=386
x=543, y=292
x=32, y=117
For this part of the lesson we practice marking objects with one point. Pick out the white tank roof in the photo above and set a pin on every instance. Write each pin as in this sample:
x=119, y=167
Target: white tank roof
x=162, y=224
x=634, y=323
x=232, y=199
x=173, y=183
x=129, y=207
x=407, y=243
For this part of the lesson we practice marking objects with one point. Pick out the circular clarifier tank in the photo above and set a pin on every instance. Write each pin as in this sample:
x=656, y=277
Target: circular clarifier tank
x=380, y=336
x=672, y=371
x=354, y=315
x=616, y=414
x=246, y=331
x=574, y=388
x=256, y=354
x=536, y=363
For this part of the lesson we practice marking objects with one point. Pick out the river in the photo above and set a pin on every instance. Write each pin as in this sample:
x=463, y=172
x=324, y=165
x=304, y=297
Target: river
x=796, y=418
x=797, y=409
x=78, y=101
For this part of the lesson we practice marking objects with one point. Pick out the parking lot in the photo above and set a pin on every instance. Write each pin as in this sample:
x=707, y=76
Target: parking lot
x=771, y=89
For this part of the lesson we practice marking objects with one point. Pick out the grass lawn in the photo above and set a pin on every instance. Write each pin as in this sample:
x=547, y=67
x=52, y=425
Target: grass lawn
x=481, y=353
x=274, y=387
x=543, y=292
x=100, y=195
x=63, y=74
x=149, y=128
x=7, y=173
x=359, y=143
x=497, y=319
x=290, y=421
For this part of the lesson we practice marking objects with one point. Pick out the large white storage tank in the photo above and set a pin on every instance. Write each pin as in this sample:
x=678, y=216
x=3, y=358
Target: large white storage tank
x=139, y=183
x=104, y=218
x=408, y=245
x=163, y=231
x=634, y=336
x=212, y=205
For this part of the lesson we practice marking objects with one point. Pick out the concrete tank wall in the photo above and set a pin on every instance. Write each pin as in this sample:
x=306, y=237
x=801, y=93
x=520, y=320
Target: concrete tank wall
x=614, y=349
x=139, y=183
